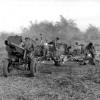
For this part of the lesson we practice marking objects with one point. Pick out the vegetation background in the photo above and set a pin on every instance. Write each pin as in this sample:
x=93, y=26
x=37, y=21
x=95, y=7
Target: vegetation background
x=67, y=30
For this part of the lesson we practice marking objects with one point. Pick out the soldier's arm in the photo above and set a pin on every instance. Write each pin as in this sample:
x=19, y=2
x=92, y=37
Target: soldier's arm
x=94, y=50
x=22, y=44
x=33, y=46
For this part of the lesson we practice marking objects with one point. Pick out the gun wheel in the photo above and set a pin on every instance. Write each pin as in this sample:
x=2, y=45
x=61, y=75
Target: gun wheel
x=33, y=65
x=6, y=67
x=57, y=63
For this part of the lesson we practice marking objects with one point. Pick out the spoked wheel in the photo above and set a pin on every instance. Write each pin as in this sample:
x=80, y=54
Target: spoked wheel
x=33, y=65
x=91, y=61
x=7, y=67
x=57, y=62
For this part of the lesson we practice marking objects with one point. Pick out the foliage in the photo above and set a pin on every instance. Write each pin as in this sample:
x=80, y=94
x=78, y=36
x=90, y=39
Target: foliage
x=66, y=29
x=92, y=33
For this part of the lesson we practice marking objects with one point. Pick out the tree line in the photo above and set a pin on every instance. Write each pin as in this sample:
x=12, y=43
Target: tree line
x=66, y=29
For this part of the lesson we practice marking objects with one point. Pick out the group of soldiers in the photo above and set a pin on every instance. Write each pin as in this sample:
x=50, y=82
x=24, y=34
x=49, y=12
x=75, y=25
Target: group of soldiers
x=87, y=50
x=30, y=44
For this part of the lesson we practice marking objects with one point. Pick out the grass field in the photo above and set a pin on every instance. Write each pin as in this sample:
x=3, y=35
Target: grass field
x=67, y=82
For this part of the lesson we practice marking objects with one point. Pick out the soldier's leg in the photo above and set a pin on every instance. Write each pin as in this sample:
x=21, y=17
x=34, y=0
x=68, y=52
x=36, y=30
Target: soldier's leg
x=33, y=64
x=25, y=52
x=93, y=59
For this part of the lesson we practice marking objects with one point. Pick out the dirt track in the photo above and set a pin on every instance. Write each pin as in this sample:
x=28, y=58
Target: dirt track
x=68, y=82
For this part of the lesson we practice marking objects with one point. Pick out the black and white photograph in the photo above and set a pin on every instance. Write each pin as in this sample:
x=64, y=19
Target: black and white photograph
x=49, y=49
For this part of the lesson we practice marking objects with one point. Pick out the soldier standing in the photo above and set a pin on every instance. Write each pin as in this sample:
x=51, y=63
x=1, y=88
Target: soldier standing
x=28, y=44
x=90, y=49
x=82, y=48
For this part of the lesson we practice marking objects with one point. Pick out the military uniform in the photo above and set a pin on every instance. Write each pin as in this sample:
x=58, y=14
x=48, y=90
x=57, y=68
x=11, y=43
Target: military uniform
x=29, y=47
x=90, y=49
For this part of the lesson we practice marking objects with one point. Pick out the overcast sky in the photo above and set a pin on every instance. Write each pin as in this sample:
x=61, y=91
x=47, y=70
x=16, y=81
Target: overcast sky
x=15, y=14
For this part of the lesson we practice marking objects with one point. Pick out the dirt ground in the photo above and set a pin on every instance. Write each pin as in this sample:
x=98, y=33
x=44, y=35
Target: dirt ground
x=68, y=82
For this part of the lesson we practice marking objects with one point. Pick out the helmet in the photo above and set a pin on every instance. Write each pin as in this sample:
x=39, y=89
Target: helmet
x=27, y=38
x=57, y=38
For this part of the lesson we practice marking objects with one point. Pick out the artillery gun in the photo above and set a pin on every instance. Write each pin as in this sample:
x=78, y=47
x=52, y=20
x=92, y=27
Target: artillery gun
x=52, y=53
x=18, y=57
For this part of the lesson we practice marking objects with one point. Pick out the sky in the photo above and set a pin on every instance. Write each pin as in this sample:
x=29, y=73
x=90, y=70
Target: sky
x=16, y=14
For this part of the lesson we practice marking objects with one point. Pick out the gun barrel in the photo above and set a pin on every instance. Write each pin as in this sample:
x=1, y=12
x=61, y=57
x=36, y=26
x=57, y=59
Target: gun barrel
x=17, y=46
x=13, y=44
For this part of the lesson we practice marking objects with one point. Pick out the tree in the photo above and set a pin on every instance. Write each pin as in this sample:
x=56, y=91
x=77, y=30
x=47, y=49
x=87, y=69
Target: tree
x=65, y=29
x=92, y=33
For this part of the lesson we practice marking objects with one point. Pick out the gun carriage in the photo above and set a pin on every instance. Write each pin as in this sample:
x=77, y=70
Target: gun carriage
x=18, y=57
x=52, y=53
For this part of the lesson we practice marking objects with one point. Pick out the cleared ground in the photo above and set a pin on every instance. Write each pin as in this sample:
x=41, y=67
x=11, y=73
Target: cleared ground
x=67, y=82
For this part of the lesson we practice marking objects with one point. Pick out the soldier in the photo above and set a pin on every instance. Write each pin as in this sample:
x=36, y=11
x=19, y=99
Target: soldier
x=28, y=44
x=46, y=48
x=55, y=44
x=37, y=41
x=76, y=48
x=90, y=49
x=68, y=49
x=82, y=48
